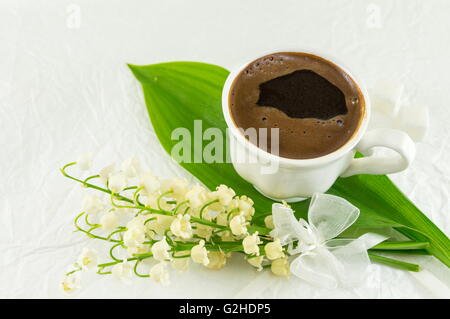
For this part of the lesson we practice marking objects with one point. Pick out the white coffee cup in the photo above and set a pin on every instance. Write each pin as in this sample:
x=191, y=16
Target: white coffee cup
x=297, y=179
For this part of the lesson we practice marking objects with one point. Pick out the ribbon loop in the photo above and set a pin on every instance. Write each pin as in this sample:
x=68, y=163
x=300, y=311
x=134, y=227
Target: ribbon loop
x=323, y=260
x=331, y=215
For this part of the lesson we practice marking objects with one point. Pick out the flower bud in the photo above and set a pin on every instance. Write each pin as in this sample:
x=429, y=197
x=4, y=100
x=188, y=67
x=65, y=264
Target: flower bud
x=199, y=254
x=250, y=244
x=280, y=267
x=274, y=250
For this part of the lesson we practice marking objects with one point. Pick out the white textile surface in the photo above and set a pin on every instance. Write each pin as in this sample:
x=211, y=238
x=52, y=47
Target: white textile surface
x=65, y=90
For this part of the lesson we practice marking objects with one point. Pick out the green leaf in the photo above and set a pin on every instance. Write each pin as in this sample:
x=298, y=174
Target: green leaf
x=177, y=93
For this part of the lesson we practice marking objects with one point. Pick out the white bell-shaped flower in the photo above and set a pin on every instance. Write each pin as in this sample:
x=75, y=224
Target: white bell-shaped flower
x=117, y=182
x=224, y=194
x=109, y=221
x=280, y=267
x=250, y=244
x=123, y=271
x=87, y=258
x=274, y=250
x=181, y=226
x=199, y=254
x=149, y=182
x=106, y=172
x=238, y=225
x=71, y=284
x=131, y=167
x=197, y=196
x=217, y=260
x=180, y=264
x=160, y=250
x=160, y=274
x=256, y=262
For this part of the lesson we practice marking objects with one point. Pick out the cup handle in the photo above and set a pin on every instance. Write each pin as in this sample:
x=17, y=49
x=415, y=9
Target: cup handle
x=374, y=164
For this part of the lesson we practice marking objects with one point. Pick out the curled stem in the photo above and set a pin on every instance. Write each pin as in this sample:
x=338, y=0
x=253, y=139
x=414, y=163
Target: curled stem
x=111, y=252
x=136, y=272
x=206, y=205
x=88, y=232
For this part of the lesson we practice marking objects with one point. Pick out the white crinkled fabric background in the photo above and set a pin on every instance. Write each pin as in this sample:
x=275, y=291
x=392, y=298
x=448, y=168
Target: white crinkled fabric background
x=65, y=90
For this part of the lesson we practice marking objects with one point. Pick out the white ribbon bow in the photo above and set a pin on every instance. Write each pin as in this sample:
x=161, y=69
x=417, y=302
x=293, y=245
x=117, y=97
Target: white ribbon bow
x=323, y=260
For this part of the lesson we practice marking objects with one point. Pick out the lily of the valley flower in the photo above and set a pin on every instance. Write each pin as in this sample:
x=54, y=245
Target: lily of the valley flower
x=149, y=182
x=245, y=206
x=92, y=204
x=85, y=162
x=117, y=182
x=280, y=267
x=256, y=262
x=70, y=284
x=199, y=254
x=222, y=219
x=268, y=221
x=160, y=250
x=134, y=237
x=160, y=224
x=131, y=167
x=87, y=258
x=226, y=236
x=181, y=226
x=274, y=250
x=197, y=196
x=250, y=244
x=109, y=221
x=204, y=231
x=177, y=186
x=122, y=271
x=238, y=225
x=160, y=274
x=180, y=264
x=217, y=260
x=224, y=194
x=106, y=172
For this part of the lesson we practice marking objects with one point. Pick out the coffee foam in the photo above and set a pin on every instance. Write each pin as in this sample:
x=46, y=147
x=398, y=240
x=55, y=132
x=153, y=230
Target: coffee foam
x=313, y=135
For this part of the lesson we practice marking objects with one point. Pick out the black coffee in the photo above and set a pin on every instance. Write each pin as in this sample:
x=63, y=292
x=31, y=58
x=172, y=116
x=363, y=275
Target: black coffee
x=315, y=104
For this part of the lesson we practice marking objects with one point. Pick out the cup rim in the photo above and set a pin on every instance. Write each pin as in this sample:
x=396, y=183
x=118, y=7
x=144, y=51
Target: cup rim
x=283, y=161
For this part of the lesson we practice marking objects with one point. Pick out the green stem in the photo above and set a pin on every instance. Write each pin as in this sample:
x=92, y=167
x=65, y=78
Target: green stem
x=401, y=245
x=231, y=212
x=394, y=263
x=179, y=205
x=63, y=171
x=125, y=199
x=206, y=205
x=116, y=232
x=89, y=233
x=160, y=197
x=403, y=252
x=139, y=257
x=91, y=177
x=100, y=272
x=78, y=268
x=136, y=272
x=111, y=252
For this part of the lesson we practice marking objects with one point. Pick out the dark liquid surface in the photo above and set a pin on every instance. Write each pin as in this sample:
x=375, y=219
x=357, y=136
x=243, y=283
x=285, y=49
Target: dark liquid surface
x=315, y=105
